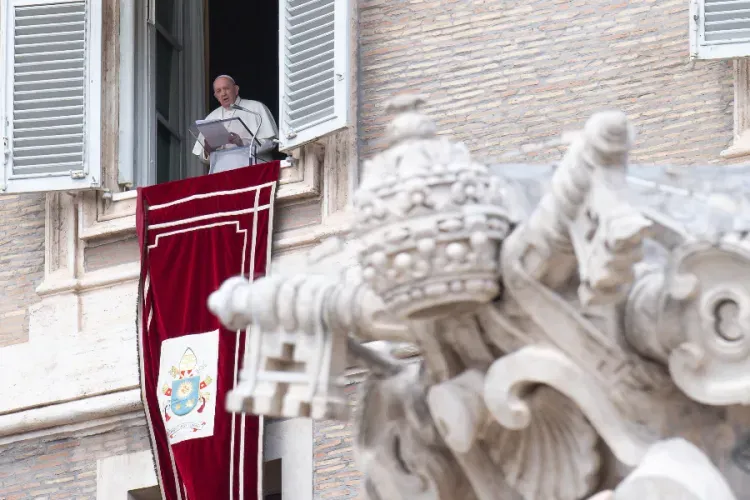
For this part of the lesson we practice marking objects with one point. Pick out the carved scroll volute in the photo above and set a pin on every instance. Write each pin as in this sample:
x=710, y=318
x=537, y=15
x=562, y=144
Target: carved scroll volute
x=712, y=364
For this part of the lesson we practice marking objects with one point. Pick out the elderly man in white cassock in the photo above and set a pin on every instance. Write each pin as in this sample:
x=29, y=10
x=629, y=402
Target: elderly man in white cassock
x=226, y=91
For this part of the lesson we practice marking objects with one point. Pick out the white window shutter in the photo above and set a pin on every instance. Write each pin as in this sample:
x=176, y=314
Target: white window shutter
x=314, y=69
x=50, y=96
x=719, y=29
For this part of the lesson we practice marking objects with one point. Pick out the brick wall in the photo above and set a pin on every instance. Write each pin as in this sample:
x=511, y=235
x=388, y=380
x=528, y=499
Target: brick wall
x=335, y=476
x=21, y=262
x=64, y=467
x=507, y=76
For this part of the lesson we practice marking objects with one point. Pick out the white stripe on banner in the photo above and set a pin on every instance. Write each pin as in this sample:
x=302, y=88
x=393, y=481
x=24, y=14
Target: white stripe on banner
x=141, y=307
x=254, y=240
x=209, y=216
x=177, y=481
x=234, y=417
x=239, y=336
x=235, y=223
x=212, y=195
x=262, y=420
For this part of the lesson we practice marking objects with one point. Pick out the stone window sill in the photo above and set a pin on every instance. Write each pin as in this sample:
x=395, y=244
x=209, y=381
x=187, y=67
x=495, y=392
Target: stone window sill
x=740, y=147
x=107, y=215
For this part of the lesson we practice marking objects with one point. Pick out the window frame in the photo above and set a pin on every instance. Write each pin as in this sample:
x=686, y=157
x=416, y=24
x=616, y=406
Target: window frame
x=137, y=121
x=290, y=139
x=91, y=175
x=174, y=123
x=701, y=50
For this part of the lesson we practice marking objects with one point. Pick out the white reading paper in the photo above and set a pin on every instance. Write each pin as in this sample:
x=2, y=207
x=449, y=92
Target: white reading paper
x=215, y=132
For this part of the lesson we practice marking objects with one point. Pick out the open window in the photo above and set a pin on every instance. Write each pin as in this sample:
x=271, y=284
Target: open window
x=168, y=77
x=50, y=94
x=291, y=55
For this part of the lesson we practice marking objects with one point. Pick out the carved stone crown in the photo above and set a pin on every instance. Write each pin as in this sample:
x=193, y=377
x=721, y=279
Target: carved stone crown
x=431, y=221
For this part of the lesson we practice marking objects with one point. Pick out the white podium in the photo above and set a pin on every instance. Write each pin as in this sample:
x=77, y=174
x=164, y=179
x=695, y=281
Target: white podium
x=222, y=160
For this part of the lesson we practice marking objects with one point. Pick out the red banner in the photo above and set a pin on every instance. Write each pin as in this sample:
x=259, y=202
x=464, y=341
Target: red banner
x=194, y=234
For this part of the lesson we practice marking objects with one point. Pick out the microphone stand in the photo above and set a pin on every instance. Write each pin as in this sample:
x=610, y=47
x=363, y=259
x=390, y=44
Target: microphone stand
x=260, y=121
x=258, y=149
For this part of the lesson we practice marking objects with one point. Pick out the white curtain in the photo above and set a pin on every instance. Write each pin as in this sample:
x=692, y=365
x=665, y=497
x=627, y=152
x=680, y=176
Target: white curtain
x=196, y=81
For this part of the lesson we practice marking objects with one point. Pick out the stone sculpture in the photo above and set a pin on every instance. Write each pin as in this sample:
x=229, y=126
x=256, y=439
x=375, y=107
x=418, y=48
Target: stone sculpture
x=550, y=337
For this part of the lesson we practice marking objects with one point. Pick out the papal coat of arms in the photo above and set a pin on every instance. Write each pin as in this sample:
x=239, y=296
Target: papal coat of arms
x=186, y=391
x=188, y=369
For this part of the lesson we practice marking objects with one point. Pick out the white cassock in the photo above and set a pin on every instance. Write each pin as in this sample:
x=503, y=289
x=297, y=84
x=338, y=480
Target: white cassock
x=268, y=129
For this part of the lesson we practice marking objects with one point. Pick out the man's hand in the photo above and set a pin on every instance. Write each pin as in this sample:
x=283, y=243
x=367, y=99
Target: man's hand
x=235, y=139
x=268, y=145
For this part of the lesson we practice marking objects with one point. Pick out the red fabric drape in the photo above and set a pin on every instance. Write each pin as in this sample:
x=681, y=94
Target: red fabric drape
x=194, y=234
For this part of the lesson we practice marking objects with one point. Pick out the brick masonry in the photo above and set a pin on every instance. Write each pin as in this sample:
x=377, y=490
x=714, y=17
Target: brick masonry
x=21, y=262
x=64, y=467
x=336, y=476
x=508, y=76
